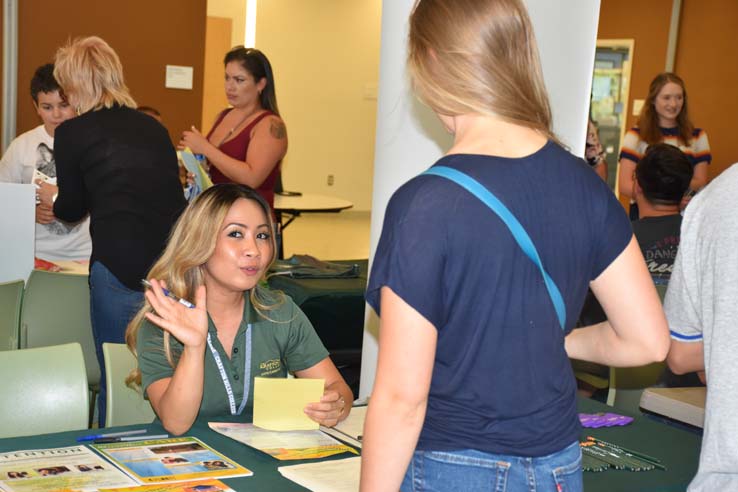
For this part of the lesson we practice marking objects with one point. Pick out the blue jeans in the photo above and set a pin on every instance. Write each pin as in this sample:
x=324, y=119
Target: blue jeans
x=112, y=306
x=470, y=470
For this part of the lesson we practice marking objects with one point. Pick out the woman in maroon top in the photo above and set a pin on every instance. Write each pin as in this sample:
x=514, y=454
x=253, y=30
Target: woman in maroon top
x=248, y=141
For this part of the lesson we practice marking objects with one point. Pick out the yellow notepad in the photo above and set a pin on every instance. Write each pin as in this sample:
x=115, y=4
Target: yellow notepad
x=279, y=403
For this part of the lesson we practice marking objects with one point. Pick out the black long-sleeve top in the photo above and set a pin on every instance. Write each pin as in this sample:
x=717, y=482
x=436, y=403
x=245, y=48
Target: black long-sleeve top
x=119, y=165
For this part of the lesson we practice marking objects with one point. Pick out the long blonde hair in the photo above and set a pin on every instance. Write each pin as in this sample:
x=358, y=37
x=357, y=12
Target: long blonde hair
x=91, y=75
x=191, y=244
x=478, y=56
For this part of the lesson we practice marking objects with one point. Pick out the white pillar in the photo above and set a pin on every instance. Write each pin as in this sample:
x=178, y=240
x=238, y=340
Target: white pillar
x=10, y=71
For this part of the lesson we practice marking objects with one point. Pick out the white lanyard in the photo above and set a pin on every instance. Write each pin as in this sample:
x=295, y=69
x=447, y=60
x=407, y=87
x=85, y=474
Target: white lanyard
x=246, y=373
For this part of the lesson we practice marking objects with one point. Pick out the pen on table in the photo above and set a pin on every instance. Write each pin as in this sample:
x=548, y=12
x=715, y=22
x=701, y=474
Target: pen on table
x=184, y=302
x=106, y=440
x=357, y=438
x=644, y=457
x=92, y=437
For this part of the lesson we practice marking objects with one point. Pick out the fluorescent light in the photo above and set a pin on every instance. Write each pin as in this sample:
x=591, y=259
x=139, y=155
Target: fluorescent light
x=250, y=34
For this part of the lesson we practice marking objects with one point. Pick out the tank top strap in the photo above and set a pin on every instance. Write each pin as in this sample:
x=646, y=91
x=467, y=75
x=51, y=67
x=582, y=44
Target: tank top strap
x=217, y=121
x=256, y=121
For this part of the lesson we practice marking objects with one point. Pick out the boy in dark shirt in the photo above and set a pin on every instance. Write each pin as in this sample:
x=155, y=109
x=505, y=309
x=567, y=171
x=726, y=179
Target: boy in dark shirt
x=661, y=179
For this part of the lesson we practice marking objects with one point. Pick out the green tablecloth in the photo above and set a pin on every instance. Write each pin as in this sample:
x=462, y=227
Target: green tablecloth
x=335, y=306
x=677, y=449
x=265, y=477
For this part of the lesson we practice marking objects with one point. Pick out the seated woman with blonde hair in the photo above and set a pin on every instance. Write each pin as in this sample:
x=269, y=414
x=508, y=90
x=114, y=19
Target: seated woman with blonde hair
x=200, y=361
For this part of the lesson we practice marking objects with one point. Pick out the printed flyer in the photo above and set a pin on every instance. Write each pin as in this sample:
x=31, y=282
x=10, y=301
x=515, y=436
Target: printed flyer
x=283, y=445
x=170, y=460
x=58, y=469
x=199, y=486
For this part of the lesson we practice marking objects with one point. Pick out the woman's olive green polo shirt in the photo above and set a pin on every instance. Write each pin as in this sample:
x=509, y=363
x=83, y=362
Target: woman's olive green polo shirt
x=285, y=342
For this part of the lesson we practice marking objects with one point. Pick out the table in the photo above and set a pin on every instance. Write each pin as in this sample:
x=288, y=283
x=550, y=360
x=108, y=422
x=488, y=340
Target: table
x=294, y=205
x=335, y=306
x=682, y=404
x=265, y=478
x=74, y=267
x=677, y=449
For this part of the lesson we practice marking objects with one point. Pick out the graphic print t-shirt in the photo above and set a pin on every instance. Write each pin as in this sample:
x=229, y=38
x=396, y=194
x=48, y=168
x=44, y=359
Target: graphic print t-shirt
x=658, y=238
x=58, y=240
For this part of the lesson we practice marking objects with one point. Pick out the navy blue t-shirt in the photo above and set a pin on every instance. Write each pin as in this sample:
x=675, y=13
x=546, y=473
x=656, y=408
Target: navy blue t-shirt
x=502, y=382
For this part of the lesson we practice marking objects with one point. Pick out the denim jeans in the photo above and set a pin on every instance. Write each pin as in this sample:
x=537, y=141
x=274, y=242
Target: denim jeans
x=112, y=306
x=471, y=471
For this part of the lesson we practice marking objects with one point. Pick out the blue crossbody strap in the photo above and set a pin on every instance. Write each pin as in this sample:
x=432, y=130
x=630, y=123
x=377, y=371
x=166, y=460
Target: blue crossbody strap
x=521, y=236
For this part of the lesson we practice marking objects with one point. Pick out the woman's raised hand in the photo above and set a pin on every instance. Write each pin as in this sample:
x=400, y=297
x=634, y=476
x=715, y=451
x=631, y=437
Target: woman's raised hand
x=188, y=325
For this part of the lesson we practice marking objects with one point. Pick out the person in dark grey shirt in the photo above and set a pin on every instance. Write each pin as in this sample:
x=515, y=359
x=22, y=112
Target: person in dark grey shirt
x=662, y=179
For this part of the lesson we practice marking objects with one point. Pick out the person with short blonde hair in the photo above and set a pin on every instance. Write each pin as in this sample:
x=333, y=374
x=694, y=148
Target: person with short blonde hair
x=118, y=165
x=92, y=75
x=474, y=389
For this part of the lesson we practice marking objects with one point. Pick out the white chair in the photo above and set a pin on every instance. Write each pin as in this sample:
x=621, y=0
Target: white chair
x=11, y=295
x=56, y=310
x=43, y=390
x=125, y=405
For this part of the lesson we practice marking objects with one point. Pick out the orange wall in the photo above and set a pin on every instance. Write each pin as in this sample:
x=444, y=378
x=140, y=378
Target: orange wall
x=147, y=35
x=217, y=44
x=650, y=30
x=705, y=59
x=708, y=62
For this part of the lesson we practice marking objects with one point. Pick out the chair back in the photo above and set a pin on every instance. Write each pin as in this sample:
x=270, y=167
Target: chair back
x=125, y=406
x=627, y=384
x=56, y=310
x=43, y=390
x=11, y=295
x=661, y=289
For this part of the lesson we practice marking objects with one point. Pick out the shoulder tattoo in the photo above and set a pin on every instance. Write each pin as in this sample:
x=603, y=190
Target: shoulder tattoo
x=277, y=129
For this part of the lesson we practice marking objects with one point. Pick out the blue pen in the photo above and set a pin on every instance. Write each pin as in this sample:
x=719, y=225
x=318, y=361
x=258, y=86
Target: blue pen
x=184, y=302
x=148, y=437
x=92, y=437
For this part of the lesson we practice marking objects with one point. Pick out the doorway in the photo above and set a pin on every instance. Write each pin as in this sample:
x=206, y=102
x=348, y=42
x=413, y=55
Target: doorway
x=610, y=92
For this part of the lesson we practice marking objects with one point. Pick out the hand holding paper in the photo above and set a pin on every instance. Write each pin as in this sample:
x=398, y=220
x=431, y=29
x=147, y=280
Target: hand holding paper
x=328, y=410
x=279, y=403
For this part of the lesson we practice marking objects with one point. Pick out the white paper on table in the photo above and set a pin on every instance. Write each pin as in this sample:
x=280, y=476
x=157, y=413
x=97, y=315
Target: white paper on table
x=326, y=476
x=265, y=439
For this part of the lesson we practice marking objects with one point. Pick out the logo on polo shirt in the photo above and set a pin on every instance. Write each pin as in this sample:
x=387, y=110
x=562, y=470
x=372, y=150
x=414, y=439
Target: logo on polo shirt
x=270, y=367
